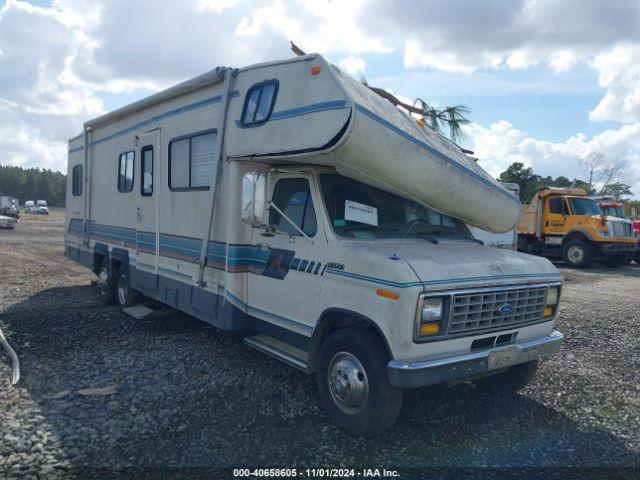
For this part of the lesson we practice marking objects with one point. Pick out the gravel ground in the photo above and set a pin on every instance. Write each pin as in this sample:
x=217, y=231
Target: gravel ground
x=192, y=400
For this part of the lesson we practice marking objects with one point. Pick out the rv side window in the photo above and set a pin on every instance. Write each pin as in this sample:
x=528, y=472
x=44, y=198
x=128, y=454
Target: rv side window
x=146, y=184
x=125, y=172
x=259, y=102
x=76, y=182
x=191, y=161
x=293, y=197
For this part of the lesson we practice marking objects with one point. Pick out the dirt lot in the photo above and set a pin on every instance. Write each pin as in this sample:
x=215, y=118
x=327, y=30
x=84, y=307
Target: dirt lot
x=192, y=401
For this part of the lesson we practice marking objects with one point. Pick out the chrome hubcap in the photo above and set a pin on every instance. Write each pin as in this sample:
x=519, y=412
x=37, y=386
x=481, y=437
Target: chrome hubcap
x=576, y=254
x=103, y=280
x=123, y=289
x=348, y=382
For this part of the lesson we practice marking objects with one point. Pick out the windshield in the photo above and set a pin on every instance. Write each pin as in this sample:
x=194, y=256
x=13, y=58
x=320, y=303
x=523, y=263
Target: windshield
x=42, y=203
x=613, y=211
x=357, y=210
x=584, y=206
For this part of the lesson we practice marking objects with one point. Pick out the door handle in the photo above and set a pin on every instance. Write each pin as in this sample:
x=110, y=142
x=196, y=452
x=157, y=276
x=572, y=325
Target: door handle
x=139, y=212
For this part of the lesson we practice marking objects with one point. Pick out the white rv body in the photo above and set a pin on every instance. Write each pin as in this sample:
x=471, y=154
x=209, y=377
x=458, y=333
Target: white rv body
x=508, y=239
x=295, y=288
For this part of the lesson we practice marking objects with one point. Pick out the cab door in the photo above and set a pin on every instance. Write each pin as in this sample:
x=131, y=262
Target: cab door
x=148, y=152
x=555, y=216
x=284, y=282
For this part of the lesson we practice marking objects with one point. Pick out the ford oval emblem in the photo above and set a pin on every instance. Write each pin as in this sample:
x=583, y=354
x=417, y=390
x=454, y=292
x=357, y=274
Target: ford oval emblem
x=505, y=309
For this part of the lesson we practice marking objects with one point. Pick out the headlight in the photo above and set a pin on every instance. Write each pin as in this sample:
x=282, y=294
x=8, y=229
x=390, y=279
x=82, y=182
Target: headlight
x=430, y=310
x=552, y=296
x=604, y=233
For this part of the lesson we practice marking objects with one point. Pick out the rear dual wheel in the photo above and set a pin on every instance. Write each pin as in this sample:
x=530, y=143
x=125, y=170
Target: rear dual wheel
x=619, y=259
x=116, y=290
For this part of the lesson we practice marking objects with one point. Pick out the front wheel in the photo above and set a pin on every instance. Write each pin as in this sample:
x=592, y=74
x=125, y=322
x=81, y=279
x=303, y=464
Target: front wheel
x=353, y=383
x=510, y=381
x=578, y=253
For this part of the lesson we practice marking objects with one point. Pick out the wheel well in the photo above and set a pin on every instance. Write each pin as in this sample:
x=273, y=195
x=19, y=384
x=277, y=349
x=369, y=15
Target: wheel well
x=337, y=319
x=575, y=236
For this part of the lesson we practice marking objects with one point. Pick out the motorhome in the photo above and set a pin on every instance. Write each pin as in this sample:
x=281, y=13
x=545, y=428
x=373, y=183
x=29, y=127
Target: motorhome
x=290, y=201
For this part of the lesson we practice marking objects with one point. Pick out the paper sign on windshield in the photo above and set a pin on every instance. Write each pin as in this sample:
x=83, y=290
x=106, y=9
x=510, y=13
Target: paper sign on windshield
x=359, y=212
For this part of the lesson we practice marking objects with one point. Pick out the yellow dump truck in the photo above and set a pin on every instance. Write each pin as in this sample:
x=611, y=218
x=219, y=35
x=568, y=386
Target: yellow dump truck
x=565, y=223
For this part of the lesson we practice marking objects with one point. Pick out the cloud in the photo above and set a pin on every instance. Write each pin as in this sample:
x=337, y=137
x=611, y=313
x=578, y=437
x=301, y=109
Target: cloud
x=354, y=66
x=501, y=144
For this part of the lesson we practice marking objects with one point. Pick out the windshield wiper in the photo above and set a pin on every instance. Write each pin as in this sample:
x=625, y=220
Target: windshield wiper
x=476, y=240
x=428, y=238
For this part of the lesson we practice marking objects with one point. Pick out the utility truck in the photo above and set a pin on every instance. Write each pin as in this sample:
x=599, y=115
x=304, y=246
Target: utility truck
x=290, y=201
x=565, y=223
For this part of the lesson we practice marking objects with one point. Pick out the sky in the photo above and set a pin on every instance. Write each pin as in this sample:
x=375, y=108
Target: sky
x=548, y=82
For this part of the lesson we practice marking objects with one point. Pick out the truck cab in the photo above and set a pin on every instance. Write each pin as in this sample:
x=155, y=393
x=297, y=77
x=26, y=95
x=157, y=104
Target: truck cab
x=394, y=294
x=565, y=223
x=615, y=210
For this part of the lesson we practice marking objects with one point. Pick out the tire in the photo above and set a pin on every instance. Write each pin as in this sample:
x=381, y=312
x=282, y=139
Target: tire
x=578, y=253
x=125, y=295
x=106, y=285
x=361, y=355
x=510, y=381
x=618, y=260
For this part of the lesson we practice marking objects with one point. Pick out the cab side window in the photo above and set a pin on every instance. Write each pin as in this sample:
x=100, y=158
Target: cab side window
x=293, y=197
x=556, y=205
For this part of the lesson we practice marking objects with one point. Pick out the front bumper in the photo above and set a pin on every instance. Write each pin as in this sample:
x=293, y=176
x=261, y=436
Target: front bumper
x=621, y=247
x=419, y=374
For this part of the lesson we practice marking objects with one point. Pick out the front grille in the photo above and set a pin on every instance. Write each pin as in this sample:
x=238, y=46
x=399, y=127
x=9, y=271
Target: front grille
x=621, y=229
x=478, y=312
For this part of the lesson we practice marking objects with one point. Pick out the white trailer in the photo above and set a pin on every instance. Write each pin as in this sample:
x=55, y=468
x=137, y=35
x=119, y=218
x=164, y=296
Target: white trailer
x=288, y=200
x=508, y=239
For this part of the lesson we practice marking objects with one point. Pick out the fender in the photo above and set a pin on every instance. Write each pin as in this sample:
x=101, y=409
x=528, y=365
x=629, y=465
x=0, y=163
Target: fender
x=580, y=231
x=122, y=257
x=345, y=318
x=100, y=252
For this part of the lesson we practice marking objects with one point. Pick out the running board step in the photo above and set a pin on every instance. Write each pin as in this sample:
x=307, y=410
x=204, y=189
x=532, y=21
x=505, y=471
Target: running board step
x=296, y=357
x=141, y=311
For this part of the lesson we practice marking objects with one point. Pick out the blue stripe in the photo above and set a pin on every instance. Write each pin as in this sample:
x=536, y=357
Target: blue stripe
x=435, y=152
x=391, y=283
x=313, y=108
x=162, y=116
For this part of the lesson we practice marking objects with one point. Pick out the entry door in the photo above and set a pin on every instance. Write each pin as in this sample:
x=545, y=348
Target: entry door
x=284, y=282
x=148, y=151
x=555, y=216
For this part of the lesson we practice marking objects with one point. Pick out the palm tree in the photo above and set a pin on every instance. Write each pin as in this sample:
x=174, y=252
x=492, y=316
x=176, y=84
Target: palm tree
x=454, y=117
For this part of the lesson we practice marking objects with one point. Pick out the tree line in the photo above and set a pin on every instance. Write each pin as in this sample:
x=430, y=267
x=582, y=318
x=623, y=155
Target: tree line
x=33, y=184
x=602, y=176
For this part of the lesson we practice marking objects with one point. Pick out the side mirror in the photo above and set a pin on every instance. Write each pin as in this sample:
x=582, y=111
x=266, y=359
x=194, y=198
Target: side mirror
x=254, y=198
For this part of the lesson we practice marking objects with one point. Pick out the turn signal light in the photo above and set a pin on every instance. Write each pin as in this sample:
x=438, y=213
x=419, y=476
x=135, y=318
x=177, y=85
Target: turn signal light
x=431, y=328
x=315, y=69
x=548, y=311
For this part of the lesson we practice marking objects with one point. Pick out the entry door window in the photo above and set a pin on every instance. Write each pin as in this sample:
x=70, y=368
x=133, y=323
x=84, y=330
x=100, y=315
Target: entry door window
x=293, y=197
x=146, y=185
